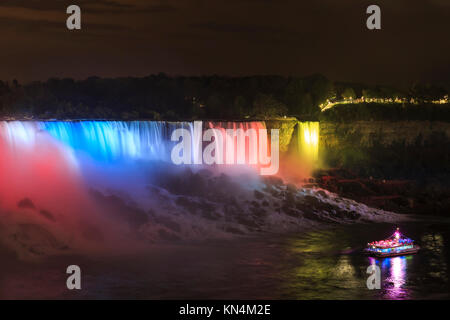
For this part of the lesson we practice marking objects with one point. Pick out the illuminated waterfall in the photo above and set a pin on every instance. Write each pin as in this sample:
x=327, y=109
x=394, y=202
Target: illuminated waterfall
x=244, y=126
x=116, y=140
x=18, y=134
x=138, y=140
x=65, y=176
x=308, y=141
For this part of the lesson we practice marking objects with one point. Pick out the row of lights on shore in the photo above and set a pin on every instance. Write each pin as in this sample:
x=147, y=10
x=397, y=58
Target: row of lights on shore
x=329, y=104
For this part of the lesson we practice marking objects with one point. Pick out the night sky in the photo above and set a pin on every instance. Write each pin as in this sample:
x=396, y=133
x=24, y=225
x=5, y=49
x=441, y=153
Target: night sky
x=233, y=37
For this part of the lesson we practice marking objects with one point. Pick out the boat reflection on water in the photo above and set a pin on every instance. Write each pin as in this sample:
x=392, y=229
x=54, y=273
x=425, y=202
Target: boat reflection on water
x=321, y=264
x=394, y=276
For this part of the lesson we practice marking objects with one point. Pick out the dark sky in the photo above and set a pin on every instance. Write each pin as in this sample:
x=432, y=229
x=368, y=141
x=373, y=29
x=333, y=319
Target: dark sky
x=227, y=37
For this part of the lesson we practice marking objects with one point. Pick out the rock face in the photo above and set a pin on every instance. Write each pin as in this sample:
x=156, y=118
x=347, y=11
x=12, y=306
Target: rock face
x=364, y=133
x=385, y=133
x=287, y=131
x=397, y=149
x=413, y=154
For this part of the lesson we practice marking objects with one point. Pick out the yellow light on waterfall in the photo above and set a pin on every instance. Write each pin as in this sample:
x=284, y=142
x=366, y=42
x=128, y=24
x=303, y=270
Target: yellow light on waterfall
x=311, y=136
x=315, y=138
x=307, y=136
x=309, y=141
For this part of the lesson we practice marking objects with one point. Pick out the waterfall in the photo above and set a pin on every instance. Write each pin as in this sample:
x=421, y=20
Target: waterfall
x=251, y=146
x=106, y=185
x=135, y=140
x=308, y=141
x=116, y=140
x=18, y=134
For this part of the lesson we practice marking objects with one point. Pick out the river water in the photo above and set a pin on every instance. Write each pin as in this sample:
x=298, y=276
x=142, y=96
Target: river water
x=320, y=264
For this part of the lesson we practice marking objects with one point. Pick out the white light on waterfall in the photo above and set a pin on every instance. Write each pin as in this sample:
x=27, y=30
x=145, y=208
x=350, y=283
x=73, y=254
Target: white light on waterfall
x=18, y=133
x=307, y=136
x=311, y=137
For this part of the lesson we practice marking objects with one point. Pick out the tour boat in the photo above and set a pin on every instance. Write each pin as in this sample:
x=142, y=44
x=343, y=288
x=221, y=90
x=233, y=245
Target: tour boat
x=395, y=245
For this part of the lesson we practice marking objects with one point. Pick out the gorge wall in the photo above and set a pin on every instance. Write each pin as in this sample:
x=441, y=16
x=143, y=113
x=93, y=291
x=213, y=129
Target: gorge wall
x=384, y=148
x=401, y=166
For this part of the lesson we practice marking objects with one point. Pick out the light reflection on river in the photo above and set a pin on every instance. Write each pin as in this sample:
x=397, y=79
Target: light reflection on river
x=395, y=271
x=323, y=264
x=335, y=269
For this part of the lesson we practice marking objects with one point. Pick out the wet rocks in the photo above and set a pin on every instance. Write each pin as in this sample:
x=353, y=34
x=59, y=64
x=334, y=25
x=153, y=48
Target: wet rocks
x=26, y=204
x=118, y=208
x=48, y=215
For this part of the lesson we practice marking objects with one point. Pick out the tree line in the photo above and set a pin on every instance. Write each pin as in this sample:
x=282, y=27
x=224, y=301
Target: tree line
x=162, y=97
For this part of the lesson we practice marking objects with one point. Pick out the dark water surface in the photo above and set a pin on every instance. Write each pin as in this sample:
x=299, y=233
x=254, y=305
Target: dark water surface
x=323, y=264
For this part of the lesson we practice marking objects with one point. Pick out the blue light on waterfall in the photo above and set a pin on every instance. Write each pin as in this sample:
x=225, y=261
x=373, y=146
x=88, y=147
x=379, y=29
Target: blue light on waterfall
x=113, y=140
